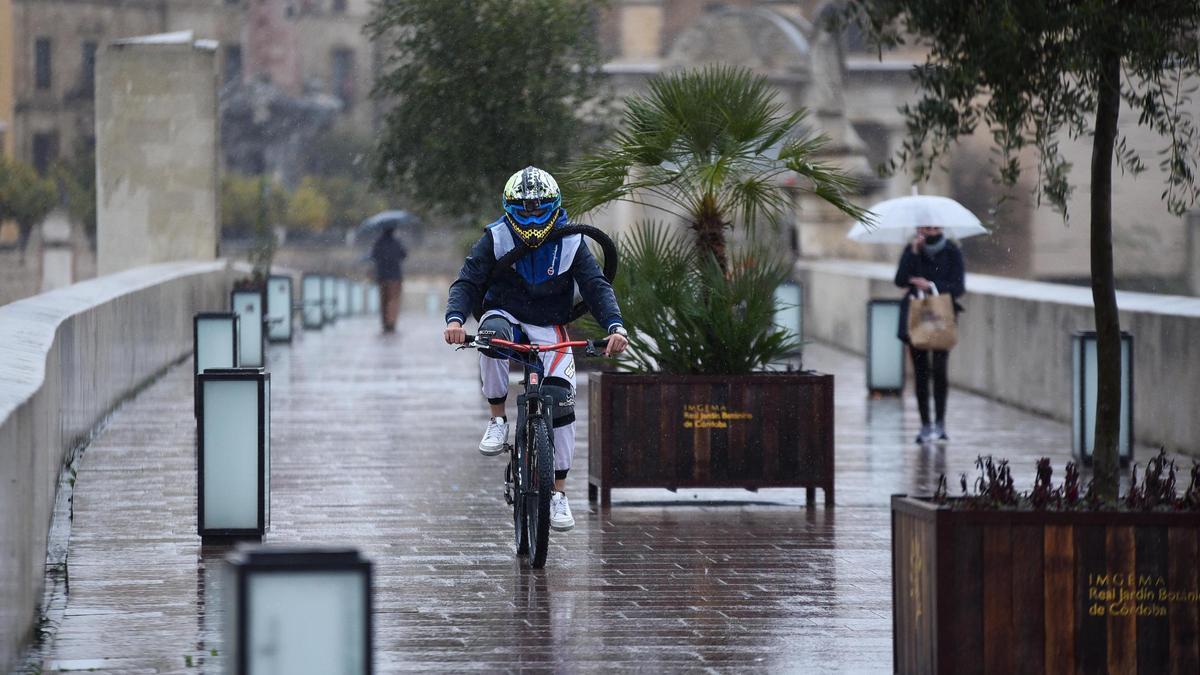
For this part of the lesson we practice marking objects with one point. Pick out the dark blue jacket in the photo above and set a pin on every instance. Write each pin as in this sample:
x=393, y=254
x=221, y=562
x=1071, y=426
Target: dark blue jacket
x=538, y=289
x=945, y=269
x=388, y=254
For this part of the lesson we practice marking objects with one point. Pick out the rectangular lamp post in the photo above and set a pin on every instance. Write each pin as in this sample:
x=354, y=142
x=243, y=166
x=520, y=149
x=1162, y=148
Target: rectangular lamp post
x=279, y=308
x=298, y=611
x=343, y=298
x=233, y=458
x=373, y=299
x=214, y=345
x=358, y=299
x=789, y=308
x=1083, y=422
x=885, y=351
x=329, y=299
x=249, y=307
x=312, y=316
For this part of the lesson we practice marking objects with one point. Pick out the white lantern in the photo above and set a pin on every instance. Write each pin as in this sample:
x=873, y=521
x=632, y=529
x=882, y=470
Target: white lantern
x=329, y=299
x=233, y=439
x=214, y=345
x=358, y=298
x=343, y=298
x=214, y=341
x=789, y=308
x=313, y=315
x=249, y=307
x=279, y=308
x=885, y=351
x=298, y=611
x=1084, y=373
x=373, y=299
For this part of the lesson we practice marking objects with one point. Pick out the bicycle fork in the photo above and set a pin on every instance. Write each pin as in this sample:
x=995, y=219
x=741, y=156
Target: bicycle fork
x=515, y=483
x=509, y=479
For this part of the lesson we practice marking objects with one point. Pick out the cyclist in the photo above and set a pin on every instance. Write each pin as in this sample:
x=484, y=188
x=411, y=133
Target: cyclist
x=531, y=301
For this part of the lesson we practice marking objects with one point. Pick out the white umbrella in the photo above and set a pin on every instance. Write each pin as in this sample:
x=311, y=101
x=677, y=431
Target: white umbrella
x=896, y=220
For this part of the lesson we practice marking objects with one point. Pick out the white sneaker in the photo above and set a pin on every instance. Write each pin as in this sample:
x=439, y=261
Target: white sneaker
x=927, y=434
x=560, y=512
x=495, y=437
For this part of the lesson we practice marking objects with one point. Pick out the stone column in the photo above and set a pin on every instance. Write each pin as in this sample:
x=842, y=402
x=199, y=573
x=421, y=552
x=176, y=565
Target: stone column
x=157, y=140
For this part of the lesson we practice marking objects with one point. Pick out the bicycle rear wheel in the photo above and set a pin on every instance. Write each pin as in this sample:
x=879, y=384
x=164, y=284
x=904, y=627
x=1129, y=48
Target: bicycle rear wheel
x=537, y=500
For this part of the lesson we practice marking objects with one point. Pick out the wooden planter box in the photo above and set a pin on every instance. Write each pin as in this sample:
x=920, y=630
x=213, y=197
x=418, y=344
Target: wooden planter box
x=689, y=431
x=1043, y=591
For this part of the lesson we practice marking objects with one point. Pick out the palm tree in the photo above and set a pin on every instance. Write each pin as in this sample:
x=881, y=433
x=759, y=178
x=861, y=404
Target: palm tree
x=710, y=145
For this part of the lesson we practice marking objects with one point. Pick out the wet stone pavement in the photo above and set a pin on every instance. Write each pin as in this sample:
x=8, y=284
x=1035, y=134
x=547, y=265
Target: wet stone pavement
x=373, y=446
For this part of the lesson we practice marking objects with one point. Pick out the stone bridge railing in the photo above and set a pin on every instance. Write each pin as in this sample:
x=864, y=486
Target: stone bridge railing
x=67, y=359
x=1015, y=339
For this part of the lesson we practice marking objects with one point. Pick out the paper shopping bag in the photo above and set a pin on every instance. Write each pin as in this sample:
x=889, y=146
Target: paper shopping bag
x=931, y=322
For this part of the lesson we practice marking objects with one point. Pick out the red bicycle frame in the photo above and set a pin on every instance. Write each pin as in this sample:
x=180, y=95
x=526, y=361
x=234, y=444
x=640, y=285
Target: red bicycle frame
x=524, y=348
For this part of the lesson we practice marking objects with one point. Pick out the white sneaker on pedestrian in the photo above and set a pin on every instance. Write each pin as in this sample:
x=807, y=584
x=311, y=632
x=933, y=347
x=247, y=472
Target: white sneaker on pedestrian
x=495, y=437
x=926, y=435
x=939, y=433
x=560, y=512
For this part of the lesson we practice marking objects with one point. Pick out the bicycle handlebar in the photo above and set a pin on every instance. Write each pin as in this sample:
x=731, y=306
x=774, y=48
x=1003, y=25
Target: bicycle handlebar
x=591, y=345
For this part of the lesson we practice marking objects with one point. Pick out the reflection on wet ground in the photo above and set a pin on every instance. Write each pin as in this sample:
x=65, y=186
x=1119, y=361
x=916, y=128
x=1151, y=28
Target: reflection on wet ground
x=374, y=447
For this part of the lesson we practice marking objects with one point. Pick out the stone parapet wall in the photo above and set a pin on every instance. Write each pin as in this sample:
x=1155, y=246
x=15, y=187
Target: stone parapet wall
x=67, y=358
x=1015, y=340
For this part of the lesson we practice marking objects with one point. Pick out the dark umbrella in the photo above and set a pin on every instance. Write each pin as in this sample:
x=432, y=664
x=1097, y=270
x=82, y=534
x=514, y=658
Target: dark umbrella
x=405, y=223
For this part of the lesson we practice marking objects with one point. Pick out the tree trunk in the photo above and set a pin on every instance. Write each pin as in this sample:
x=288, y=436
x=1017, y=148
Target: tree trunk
x=1104, y=291
x=710, y=232
x=24, y=233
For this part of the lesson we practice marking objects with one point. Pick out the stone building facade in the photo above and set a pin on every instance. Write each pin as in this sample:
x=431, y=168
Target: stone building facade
x=812, y=69
x=317, y=44
x=48, y=48
x=855, y=96
x=309, y=47
x=6, y=78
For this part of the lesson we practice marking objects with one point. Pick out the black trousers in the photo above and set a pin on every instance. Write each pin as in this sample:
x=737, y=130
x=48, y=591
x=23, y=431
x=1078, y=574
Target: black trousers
x=921, y=367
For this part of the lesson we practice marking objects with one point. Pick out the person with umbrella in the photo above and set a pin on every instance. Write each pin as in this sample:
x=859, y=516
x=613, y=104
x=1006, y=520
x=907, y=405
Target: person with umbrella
x=389, y=254
x=931, y=263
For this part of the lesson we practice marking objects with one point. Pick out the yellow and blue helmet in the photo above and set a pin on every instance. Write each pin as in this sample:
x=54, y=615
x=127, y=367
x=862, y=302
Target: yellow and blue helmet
x=532, y=204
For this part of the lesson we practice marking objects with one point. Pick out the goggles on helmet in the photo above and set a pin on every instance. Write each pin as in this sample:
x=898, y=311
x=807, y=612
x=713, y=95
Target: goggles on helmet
x=532, y=212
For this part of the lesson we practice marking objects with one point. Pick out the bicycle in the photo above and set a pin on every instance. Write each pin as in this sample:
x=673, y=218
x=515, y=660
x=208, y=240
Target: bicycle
x=529, y=476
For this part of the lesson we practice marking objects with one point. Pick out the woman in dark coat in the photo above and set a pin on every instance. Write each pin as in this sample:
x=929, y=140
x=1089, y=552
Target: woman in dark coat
x=930, y=261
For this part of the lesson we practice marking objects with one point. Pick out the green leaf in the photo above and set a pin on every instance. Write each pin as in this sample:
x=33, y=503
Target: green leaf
x=476, y=90
x=710, y=146
x=686, y=315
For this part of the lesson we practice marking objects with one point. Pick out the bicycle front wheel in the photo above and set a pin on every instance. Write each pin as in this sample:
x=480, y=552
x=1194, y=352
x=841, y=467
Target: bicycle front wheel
x=518, y=503
x=537, y=500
